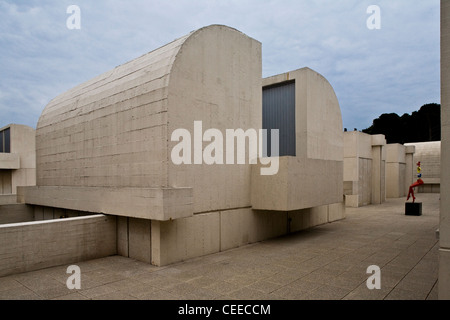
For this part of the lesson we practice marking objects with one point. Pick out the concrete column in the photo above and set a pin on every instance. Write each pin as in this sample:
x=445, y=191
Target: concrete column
x=444, y=228
x=410, y=176
x=395, y=171
x=378, y=169
x=122, y=236
x=156, y=242
x=140, y=239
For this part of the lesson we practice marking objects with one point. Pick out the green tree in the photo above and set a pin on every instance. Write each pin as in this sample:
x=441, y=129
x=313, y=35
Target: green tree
x=421, y=126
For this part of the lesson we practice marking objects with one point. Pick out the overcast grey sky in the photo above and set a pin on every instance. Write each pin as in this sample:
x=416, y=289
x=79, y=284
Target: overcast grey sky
x=373, y=71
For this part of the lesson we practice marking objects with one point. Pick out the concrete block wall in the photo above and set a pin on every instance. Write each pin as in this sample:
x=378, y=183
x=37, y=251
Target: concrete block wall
x=50, y=213
x=292, y=188
x=6, y=182
x=110, y=131
x=15, y=213
x=18, y=168
x=23, y=143
x=399, y=166
x=104, y=143
x=35, y=245
x=378, y=169
x=105, y=147
x=134, y=238
x=364, y=169
x=314, y=176
x=357, y=168
x=114, y=132
x=206, y=233
x=429, y=154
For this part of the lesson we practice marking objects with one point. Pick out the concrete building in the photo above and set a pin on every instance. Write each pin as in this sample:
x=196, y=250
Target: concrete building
x=444, y=229
x=107, y=147
x=429, y=155
x=364, y=169
x=17, y=160
x=316, y=156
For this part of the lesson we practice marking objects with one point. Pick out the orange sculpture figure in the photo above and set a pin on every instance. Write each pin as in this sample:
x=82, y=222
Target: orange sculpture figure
x=415, y=184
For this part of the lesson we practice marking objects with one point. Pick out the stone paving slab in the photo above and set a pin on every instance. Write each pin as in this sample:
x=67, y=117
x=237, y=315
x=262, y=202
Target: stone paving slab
x=328, y=262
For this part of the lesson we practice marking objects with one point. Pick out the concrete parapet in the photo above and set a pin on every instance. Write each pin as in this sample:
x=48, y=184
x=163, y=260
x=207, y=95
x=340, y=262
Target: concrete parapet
x=15, y=213
x=206, y=233
x=8, y=199
x=299, y=184
x=147, y=203
x=378, y=140
x=9, y=161
x=35, y=245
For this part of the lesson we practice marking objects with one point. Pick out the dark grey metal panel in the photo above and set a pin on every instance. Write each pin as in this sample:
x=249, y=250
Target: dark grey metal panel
x=1, y=141
x=279, y=113
x=7, y=138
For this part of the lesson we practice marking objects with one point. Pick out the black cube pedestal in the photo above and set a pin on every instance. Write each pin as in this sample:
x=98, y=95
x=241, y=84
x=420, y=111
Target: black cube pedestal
x=413, y=209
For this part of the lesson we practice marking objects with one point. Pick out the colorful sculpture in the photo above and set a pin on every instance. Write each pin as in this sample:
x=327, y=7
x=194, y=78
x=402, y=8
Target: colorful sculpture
x=415, y=184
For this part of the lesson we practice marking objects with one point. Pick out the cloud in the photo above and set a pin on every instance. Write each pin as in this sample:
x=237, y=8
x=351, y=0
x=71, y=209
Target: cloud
x=394, y=69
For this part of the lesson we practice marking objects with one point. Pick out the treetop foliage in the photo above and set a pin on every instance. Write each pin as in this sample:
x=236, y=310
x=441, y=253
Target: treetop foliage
x=420, y=126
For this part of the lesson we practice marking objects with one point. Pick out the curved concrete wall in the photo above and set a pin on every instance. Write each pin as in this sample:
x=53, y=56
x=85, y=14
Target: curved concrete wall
x=107, y=146
x=110, y=131
x=364, y=169
x=314, y=177
x=429, y=154
x=216, y=79
x=107, y=143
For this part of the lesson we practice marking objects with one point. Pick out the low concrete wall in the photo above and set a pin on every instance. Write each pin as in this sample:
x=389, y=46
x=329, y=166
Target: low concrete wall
x=166, y=242
x=15, y=213
x=429, y=188
x=35, y=245
x=8, y=199
x=429, y=154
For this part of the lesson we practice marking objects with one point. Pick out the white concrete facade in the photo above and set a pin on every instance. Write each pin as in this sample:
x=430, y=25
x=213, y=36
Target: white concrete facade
x=18, y=166
x=364, y=169
x=319, y=150
x=429, y=155
x=105, y=147
x=399, y=169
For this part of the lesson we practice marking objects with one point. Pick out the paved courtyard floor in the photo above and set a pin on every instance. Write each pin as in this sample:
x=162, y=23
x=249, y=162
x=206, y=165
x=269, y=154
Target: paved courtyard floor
x=326, y=262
